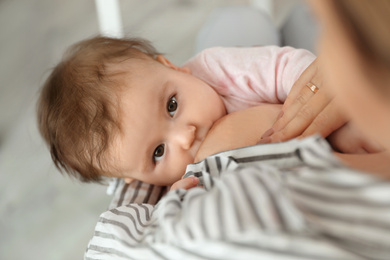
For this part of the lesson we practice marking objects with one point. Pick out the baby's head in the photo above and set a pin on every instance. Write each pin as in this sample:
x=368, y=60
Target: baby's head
x=118, y=108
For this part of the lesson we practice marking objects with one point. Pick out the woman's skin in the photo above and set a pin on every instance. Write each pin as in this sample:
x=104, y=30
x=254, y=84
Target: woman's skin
x=238, y=129
x=353, y=79
x=234, y=130
x=305, y=113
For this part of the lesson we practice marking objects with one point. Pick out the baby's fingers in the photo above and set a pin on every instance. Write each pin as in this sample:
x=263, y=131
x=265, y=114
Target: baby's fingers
x=187, y=183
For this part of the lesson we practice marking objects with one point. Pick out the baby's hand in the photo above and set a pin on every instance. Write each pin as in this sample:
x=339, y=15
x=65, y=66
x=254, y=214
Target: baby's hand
x=186, y=183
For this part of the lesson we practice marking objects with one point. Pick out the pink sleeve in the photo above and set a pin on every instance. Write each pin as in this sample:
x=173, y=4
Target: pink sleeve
x=245, y=77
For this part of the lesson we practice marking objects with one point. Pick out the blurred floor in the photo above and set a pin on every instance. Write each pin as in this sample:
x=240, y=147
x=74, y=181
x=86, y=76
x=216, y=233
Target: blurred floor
x=43, y=214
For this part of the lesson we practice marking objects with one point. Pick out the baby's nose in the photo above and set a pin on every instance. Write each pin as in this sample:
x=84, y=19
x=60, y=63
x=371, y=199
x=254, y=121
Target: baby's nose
x=185, y=137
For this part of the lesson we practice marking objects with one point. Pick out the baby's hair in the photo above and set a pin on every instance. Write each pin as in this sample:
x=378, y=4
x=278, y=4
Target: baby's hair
x=78, y=111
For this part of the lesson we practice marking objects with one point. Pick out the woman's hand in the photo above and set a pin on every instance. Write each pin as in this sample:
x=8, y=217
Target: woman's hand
x=305, y=112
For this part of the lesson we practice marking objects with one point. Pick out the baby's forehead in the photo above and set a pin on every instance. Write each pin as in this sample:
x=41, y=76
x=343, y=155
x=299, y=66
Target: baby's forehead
x=125, y=63
x=126, y=71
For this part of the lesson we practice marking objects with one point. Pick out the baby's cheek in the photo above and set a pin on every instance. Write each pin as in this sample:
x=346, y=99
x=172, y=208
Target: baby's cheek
x=179, y=165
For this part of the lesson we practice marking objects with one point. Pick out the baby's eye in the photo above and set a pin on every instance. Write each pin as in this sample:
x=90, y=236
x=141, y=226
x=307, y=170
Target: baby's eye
x=172, y=106
x=159, y=152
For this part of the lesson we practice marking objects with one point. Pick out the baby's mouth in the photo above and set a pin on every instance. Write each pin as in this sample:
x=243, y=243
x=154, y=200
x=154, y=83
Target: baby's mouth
x=201, y=136
x=196, y=145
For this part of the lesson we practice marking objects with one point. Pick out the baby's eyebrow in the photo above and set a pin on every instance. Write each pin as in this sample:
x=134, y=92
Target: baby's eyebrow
x=162, y=94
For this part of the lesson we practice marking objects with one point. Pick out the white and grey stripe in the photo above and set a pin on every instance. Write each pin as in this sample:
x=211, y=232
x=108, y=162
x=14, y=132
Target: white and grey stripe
x=136, y=192
x=290, y=200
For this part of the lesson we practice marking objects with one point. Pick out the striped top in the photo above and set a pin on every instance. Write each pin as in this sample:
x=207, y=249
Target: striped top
x=291, y=200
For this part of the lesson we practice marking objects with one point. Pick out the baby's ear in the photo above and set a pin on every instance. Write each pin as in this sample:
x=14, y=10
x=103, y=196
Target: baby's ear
x=128, y=180
x=160, y=58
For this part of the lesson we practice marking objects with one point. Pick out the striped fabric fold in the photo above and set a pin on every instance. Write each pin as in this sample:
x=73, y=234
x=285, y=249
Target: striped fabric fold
x=136, y=192
x=291, y=200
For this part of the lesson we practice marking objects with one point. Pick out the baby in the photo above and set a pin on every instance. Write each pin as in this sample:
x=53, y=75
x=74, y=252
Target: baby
x=118, y=108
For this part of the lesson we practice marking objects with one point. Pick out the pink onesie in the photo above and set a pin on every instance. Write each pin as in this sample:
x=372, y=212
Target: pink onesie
x=247, y=77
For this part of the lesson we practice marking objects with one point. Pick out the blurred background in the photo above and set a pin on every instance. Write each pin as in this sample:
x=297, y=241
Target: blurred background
x=44, y=215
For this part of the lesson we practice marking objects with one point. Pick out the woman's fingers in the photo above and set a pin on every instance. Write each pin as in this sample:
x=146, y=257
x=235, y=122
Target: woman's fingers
x=299, y=96
x=307, y=110
x=328, y=120
x=309, y=75
x=187, y=183
x=323, y=119
x=301, y=113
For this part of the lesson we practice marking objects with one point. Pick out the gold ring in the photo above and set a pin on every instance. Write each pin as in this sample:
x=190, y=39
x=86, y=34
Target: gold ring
x=312, y=87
